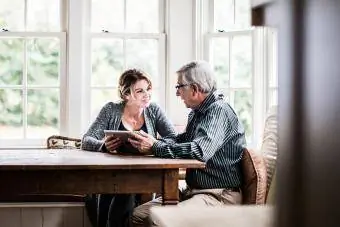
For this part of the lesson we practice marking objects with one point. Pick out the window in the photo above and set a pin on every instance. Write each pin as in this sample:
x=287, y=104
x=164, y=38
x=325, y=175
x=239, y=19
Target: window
x=126, y=34
x=229, y=49
x=32, y=59
x=244, y=59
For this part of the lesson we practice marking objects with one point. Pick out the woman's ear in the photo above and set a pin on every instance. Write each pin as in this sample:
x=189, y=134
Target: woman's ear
x=126, y=97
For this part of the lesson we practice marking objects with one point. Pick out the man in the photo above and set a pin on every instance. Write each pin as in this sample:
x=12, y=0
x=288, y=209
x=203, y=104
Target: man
x=213, y=135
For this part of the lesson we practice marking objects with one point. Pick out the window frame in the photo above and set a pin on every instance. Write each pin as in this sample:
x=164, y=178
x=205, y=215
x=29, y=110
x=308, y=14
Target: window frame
x=260, y=62
x=160, y=37
x=62, y=86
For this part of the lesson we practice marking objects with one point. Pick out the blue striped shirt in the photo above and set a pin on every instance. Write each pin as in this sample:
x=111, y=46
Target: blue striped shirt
x=213, y=135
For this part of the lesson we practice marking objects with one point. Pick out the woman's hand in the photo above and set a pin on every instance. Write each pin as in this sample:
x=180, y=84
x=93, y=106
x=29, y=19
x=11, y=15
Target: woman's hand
x=112, y=143
x=143, y=142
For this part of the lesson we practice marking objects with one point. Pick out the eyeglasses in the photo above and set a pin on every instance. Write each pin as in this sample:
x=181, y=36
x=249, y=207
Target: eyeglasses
x=178, y=86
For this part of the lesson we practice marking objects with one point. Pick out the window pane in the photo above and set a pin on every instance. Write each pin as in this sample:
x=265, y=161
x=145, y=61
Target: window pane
x=12, y=15
x=99, y=97
x=107, y=15
x=42, y=113
x=223, y=14
x=43, y=61
x=242, y=14
x=143, y=54
x=11, y=119
x=107, y=61
x=11, y=61
x=43, y=15
x=220, y=58
x=242, y=102
x=142, y=16
x=241, y=62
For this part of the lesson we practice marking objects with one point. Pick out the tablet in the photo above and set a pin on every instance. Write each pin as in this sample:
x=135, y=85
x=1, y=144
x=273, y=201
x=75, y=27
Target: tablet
x=123, y=135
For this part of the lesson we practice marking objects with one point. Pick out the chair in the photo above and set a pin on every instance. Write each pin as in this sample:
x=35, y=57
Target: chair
x=270, y=151
x=259, y=167
x=254, y=177
x=63, y=142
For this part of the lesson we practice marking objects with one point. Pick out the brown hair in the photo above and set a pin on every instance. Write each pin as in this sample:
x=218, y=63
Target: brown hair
x=128, y=79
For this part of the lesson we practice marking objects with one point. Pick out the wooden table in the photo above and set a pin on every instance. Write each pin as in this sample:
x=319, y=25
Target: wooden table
x=48, y=171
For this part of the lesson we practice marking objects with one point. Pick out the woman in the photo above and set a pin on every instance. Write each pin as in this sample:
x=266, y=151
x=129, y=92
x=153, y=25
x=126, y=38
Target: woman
x=134, y=112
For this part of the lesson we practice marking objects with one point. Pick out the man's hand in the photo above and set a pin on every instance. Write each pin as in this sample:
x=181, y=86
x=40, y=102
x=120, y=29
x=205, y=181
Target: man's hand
x=112, y=143
x=143, y=142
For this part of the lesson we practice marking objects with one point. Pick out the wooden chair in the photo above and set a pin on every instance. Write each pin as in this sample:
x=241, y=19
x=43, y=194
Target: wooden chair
x=63, y=142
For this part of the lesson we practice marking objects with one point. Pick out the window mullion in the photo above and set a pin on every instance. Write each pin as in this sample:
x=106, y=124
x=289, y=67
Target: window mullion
x=162, y=71
x=63, y=92
x=259, y=82
x=125, y=54
x=161, y=17
x=125, y=15
x=78, y=66
x=25, y=15
x=25, y=90
x=234, y=11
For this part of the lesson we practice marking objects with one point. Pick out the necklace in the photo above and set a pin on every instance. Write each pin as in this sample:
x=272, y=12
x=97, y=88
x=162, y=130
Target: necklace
x=132, y=123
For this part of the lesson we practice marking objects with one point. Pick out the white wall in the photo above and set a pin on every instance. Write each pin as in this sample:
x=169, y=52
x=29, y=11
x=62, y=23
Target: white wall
x=180, y=32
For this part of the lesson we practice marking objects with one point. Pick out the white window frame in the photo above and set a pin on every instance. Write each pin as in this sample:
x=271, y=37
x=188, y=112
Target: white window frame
x=272, y=62
x=160, y=37
x=177, y=36
x=63, y=126
x=204, y=32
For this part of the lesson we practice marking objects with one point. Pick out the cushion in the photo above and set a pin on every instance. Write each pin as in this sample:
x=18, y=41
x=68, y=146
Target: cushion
x=254, y=178
x=63, y=142
x=270, y=144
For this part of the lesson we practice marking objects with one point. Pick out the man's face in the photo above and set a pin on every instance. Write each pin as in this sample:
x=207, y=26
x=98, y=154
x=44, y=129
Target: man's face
x=185, y=91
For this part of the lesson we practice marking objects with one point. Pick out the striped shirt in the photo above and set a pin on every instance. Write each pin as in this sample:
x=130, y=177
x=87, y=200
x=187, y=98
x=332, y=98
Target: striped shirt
x=213, y=135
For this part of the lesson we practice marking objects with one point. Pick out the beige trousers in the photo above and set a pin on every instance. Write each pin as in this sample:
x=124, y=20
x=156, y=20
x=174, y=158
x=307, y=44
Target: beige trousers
x=195, y=197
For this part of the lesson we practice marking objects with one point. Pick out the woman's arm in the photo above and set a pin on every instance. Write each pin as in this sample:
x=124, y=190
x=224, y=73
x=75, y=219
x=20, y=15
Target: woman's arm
x=93, y=138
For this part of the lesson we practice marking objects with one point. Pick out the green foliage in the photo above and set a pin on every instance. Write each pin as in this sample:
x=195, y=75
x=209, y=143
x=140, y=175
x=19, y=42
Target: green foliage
x=42, y=68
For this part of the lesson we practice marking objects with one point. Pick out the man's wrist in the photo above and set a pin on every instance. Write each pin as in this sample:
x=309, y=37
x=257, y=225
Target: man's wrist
x=156, y=147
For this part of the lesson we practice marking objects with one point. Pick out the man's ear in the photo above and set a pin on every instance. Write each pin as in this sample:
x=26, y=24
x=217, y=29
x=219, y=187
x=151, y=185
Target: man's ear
x=195, y=88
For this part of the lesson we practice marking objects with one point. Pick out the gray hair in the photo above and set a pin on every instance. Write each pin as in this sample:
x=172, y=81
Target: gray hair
x=199, y=73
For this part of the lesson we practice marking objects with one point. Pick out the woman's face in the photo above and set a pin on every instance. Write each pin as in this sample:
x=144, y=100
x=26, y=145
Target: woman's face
x=140, y=94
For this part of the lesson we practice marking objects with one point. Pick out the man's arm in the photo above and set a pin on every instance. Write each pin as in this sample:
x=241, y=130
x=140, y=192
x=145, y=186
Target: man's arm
x=212, y=132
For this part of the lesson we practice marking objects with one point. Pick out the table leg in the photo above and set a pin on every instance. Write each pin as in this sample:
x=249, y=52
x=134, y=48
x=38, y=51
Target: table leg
x=170, y=187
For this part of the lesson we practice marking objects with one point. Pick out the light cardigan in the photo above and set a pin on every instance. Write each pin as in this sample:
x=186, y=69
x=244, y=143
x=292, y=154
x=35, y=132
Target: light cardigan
x=110, y=116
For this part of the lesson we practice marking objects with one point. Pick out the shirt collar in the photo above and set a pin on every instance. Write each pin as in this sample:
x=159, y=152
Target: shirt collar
x=211, y=98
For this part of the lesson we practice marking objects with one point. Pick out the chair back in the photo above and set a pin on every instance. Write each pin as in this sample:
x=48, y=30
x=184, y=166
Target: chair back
x=254, y=177
x=63, y=142
x=269, y=146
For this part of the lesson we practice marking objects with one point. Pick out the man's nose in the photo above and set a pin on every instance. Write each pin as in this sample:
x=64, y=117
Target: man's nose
x=177, y=92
